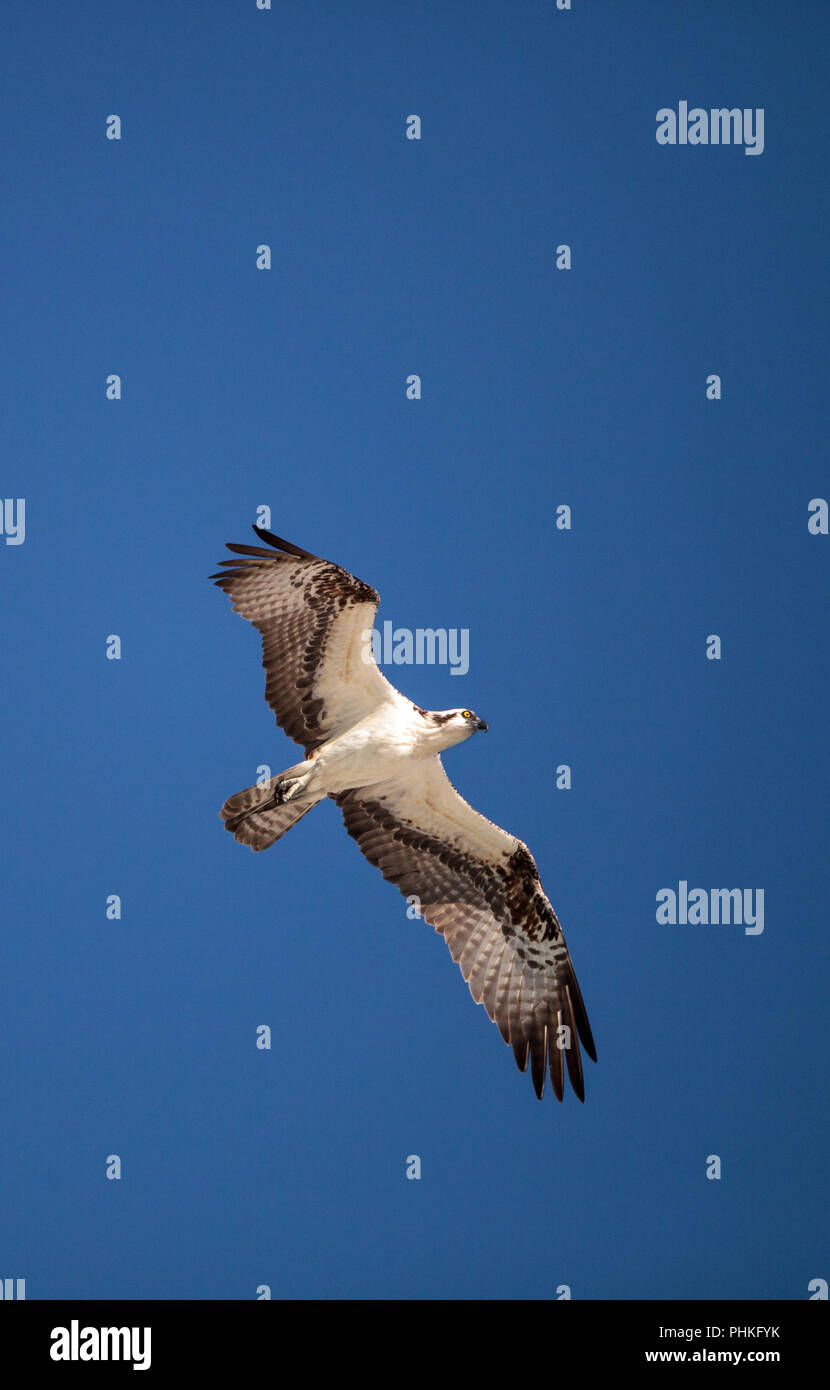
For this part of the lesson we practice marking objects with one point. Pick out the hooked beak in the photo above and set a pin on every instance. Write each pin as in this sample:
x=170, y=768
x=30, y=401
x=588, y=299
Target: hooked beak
x=480, y=724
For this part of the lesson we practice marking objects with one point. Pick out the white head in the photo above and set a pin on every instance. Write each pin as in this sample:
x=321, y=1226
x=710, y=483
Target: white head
x=453, y=725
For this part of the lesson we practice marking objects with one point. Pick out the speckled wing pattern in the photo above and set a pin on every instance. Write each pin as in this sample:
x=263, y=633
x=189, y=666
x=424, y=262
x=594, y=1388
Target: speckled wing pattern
x=312, y=615
x=479, y=887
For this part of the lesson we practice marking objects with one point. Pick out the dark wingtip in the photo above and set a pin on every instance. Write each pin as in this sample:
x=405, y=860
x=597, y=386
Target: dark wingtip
x=279, y=544
x=573, y=1059
x=538, y=1063
x=587, y=1041
x=578, y=1087
x=580, y=1016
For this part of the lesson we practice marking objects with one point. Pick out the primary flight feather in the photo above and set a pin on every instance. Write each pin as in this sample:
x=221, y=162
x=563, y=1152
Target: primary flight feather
x=378, y=756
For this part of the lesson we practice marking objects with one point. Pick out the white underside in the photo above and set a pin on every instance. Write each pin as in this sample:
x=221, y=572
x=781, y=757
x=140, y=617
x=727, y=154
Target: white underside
x=376, y=749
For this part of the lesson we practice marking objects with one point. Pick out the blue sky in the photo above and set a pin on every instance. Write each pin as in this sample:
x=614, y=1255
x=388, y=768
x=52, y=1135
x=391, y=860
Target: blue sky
x=286, y=388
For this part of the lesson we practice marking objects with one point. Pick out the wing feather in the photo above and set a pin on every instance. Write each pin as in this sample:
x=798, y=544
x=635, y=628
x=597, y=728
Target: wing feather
x=556, y=1061
x=479, y=887
x=320, y=675
x=571, y=1050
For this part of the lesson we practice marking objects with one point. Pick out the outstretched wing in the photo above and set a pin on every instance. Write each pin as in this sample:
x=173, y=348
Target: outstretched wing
x=321, y=676
x=479, y=887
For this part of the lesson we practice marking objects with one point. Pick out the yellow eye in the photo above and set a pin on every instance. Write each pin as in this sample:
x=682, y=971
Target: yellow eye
x=467, y=714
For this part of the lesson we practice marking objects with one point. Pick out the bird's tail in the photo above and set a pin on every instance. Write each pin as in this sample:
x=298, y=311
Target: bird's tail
x=260, y=815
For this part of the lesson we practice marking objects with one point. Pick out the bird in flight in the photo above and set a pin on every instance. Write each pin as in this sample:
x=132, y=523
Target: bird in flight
x=378, y=756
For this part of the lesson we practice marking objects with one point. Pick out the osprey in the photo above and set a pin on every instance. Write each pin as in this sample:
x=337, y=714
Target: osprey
x=378, y=756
